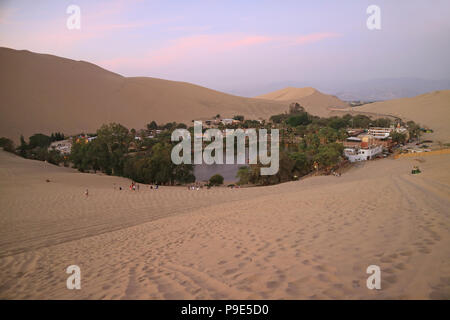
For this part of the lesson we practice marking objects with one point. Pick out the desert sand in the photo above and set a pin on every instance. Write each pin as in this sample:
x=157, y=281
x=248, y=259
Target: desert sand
x=308, y=239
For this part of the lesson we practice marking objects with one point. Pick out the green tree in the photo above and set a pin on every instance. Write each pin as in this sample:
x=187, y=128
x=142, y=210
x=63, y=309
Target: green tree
x=57, y=136
x=361, y=121
x=295, y=108
x=23, y=147
x=338, y=123
x=7, y=144
x=279, y=118
x=298, y=119
x=413, y=129
x=382, y=122
x=243, y=174
x=39, y=140
x=329, y=155
x=216, y=180
x=302, y=164
x=152, y=126
x=114, y=139
x=398, y=137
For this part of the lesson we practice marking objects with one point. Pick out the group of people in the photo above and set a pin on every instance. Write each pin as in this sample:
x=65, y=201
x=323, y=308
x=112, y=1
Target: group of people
x=134, y=186
x=195, y=186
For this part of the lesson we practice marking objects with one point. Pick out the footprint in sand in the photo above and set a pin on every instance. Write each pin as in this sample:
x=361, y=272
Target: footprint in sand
x=272, y=284
x=230, y=271
x=400, y=266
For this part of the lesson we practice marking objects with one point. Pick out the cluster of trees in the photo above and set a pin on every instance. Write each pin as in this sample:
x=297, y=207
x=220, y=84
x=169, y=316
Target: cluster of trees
x=298, y=117
x=157, y=167
x=57, y=136
x=37, y=148
x=295, y=164
x=413, y=129
x=168, y=126
x=115, y=151
x=398, y=137
x=307, y=143
x=317, y=146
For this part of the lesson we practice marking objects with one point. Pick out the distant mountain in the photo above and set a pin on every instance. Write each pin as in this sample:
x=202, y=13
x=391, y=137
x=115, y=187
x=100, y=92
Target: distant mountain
x=314, y=101
x=371, y=90
x=44, y=93
x=386, y=89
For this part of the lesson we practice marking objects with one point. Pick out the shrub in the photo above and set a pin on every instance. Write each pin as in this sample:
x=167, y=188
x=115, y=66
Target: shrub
x=216, y=180
x=243, y=174
x=7, y=144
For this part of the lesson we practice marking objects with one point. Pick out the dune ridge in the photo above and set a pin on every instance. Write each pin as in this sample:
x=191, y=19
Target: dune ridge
x=314, y=101
x=45, y=93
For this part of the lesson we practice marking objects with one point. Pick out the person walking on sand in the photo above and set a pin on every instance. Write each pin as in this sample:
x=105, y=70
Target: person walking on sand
x=86, y=193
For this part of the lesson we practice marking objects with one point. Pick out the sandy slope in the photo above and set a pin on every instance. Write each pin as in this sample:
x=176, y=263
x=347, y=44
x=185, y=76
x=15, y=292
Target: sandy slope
x=430, y=109
x=306, y=239
x=314, y=101
x=45, y=93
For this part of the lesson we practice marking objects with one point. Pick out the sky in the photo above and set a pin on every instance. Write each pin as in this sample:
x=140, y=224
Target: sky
x=226, y=45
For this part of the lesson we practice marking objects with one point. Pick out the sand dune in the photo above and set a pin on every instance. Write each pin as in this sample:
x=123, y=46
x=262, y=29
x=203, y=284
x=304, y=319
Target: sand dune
x=314, y=101
x=289, y=93
x=430, y=109
x=45, y=93
x=306, y=239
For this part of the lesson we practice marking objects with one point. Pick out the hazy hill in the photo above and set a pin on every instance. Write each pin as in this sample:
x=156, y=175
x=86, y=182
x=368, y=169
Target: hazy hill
x=314, y=101
x=430, y=109
x=45, y=93
x=390, y=88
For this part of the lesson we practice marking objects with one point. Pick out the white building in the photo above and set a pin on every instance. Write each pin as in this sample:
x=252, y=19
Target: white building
x=383, y=133
x=380, y=133
x=63, y=146
x=227, y=121
x=360, y=154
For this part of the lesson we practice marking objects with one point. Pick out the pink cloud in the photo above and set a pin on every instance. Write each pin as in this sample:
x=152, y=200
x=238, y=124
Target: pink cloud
x=314, y=37
x=203, y=45
x=186, y=47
